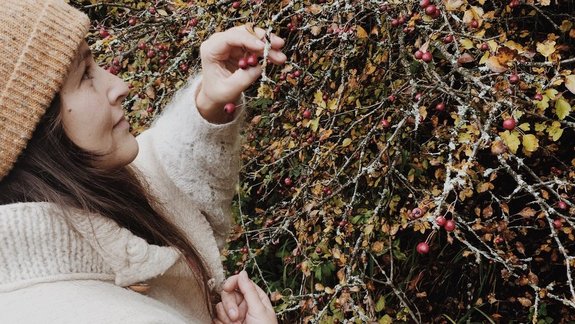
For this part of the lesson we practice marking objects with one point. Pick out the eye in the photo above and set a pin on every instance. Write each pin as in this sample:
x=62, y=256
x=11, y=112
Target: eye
x=87, y=74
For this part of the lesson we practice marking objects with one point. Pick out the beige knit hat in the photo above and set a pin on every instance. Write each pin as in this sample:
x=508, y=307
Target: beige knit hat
x=38, y=41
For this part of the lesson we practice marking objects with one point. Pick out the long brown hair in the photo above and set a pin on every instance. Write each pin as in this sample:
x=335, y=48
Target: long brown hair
x=53, y=169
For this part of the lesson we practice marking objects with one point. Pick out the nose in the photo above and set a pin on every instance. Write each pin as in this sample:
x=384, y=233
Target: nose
x=118, y=90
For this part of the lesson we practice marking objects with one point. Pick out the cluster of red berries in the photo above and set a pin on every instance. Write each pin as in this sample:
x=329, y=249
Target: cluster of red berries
x=425, y=56
x=430, y=9
x=448, y=224
x=514, y=4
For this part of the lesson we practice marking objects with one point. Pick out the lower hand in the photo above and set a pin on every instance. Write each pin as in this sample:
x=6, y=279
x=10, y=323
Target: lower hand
x=244, y=302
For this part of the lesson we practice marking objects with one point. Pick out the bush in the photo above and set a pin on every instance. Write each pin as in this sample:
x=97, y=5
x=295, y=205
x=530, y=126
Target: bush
x=386, y=117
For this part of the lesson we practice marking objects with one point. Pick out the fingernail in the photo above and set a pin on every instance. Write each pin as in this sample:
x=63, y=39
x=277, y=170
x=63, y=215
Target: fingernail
x=258, y=42
x=233, y=312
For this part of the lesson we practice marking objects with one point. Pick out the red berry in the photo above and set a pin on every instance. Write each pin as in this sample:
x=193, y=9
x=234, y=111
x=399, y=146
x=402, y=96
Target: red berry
x=184, y=67
x=306, y=114
x=401, y=20
x=104, y=33
x=427, y=57
x=440, y=106
x=436, y=13
x=151, y=53
x=562, y=205
x=162, y=61
x=288, y=182
x=391, y=98
x=252, y=60
x=394, y=22
x=416, y=212
x=418, y=54
x=142, y=46
x=424, y=3
x=449, y=225
x=430, y=10
x=474, y=24
x=484, y=47
x=538, y=97
x=243, y=63
x=448, y=39
x=513, y=4
x=297, y=73
x=230, y=108
x=498, y=240
x=422, y=248
x=385, y=123
x=244, y=250
x=132, y=21
x=557, y=223
x=193, y=22
x=418, y=96
x=509, y=124
x=236, y=4
x=342, y=223
x=513, y=78
x=440, y=221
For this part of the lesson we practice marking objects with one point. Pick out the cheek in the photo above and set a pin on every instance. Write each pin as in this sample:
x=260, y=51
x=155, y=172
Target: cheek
x=86, y=127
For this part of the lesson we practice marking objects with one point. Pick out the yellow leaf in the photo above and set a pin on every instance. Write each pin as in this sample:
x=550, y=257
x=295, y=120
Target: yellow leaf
x=346, y=142
x=513, y=45
x=484, y=57
x=530, y=143
x=551, y=93
x=466, y=43
x=332, y=105
x=570, y=83
x=539, y=127
x=452, y=5
x=546, y=48
x=511, y=140
x=525, y=126
x=555, y=131
x=361, y=33
x=562, y=108
x=318, y=99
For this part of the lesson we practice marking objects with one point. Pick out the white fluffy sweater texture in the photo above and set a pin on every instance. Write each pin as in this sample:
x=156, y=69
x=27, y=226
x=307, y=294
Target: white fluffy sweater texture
x=60, y=269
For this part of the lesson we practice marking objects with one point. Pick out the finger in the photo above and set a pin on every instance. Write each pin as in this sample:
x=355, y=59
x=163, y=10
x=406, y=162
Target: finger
x=276, y=41
x=221, y=43
x=221, y=314
x=229, y=305
x=248, y=289
x=231, y=283
x=277, y=57
x=240, y=80
x=263, y=296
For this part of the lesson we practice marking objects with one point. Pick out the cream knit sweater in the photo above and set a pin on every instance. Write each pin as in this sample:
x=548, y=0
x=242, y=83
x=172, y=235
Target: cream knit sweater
x=58, y=269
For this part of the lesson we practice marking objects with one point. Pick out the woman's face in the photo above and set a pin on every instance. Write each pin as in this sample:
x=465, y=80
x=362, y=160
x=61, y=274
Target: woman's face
x=92, y=112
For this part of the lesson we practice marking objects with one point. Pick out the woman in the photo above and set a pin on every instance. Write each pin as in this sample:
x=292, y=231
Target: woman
x=92, y=218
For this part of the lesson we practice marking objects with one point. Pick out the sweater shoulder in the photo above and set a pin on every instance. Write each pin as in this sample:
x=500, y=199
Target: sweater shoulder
x=84, y=301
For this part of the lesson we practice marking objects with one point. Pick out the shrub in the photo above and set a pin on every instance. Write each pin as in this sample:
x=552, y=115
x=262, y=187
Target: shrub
x=387, y=116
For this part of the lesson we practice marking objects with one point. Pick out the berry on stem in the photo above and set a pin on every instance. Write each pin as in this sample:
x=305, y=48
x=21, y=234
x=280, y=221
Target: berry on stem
x=288, y=182
x=422, y=248
x=509, y=123
x=418, y=54
x=243, y=63
x=440, y=221
x=427, y=57
x=557, y=223
x=252, y=60
x=230, y=108
x=449, y=225
x=513, y=78
x=440, y=106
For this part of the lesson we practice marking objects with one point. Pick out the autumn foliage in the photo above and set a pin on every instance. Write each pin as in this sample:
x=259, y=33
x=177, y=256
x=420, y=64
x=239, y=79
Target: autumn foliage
x=408, y=163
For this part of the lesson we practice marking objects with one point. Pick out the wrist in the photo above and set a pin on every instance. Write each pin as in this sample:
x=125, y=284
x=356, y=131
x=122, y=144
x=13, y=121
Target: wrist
x=211, y=111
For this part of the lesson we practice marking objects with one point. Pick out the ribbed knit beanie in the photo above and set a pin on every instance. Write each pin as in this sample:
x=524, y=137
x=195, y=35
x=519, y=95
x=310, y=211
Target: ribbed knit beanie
x=38, y=41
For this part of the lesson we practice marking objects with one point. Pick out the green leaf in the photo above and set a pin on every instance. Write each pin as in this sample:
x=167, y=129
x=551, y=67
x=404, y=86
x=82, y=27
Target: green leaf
x=380, y=305
x=562, y=108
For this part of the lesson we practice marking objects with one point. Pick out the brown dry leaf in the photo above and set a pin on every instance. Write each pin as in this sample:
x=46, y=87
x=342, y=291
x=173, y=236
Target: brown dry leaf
x=525, y=302
x=487, y=211
x=361, y=33
x=275, y=296
x=314, y=9
x=570, y=83
x=527, y=212
x=493, y=64
x=546, y=48
x=520, y=247
x=451, y=5
x=465, y=58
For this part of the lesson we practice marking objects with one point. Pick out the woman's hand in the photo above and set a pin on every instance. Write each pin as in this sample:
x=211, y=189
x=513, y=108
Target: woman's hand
x=244, y=302
x=222, y=80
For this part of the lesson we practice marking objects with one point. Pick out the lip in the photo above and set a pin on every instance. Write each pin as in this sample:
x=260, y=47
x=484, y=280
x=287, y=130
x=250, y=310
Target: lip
x=121, y=122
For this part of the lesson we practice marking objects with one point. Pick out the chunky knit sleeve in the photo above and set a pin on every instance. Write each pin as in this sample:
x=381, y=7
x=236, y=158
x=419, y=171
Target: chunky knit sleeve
x=201, y=159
